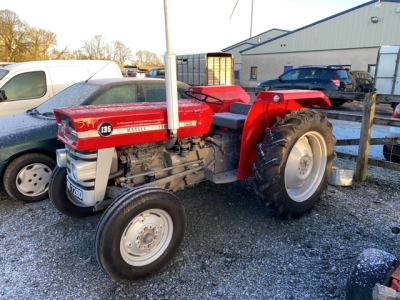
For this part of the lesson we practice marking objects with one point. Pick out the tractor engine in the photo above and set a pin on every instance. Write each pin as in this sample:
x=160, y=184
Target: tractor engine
x=148, y=163
x=189, y=162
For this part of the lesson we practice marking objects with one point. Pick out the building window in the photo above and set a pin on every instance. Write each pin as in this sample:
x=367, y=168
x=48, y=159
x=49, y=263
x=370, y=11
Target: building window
x=253, y=73
x=237, y=74
x=287, y=68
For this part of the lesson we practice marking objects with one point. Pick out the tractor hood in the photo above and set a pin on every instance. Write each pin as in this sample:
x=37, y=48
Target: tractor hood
x=106, y=126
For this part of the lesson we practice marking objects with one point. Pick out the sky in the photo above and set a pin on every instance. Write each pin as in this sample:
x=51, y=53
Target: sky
x=196, y=26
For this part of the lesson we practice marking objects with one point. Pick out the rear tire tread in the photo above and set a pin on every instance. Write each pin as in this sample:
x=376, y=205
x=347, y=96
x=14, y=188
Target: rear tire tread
x=271, y=167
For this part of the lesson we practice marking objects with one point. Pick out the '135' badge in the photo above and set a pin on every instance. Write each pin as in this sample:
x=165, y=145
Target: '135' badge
x=105, y=129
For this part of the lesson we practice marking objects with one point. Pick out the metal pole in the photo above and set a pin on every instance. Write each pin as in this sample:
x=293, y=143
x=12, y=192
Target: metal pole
x=251, y=19
x=170, y=76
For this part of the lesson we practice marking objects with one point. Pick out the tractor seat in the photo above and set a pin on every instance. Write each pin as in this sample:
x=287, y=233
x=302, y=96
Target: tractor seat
x=235, y=118
x=240, y=108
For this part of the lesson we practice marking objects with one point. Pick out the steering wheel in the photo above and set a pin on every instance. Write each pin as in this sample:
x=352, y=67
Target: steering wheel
x=204, y=97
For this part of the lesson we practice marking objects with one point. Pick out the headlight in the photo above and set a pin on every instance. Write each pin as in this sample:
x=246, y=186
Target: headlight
x=74, y=171
x=61, y=156
x=82, y=170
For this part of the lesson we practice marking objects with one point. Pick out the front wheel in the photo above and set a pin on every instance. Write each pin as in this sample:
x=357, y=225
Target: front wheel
x=294, y=163
x=139, y=233
x=58, y=195
x=371, y=266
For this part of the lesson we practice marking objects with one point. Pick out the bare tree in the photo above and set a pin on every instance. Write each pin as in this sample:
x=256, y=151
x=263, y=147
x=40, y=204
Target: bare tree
x=66, y=54
x=97, y=48
x=40, y=43
x=13, y=37
x=147, y=58
x=19, y=42
x=121, y=53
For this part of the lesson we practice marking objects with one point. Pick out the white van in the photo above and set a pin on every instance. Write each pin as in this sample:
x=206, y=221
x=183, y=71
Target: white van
x=26, y=85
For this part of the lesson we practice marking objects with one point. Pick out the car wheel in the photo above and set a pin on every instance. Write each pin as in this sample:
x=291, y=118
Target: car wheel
x=391, y=153
x=359, y=89
x=337, y=102
x=27, y=177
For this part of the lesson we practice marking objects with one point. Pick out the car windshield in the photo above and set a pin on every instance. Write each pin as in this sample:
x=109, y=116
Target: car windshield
x=71, y=96
x=3, y=73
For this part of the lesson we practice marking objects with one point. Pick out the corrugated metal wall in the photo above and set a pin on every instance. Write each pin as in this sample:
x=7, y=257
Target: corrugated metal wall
x=350, y=30
x=349, y=38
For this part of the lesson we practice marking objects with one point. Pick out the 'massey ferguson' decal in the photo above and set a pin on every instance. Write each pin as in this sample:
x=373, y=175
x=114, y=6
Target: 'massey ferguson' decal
x=105, y=129
x=144, y=128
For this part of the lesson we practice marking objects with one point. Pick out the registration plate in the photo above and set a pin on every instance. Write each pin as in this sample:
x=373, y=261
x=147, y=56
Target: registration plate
x=349, y=86
x=75, y=191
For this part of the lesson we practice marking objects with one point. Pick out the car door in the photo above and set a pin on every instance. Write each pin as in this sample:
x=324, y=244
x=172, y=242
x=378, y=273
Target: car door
x=25, y=90
x=287, y=80
x=308, y=79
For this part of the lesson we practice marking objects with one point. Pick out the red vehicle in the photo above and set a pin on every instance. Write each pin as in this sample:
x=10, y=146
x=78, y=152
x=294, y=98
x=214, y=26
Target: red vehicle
x=126, y=159
x=375, y=274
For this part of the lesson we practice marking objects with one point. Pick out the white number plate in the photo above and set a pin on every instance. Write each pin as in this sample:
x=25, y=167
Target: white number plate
x=75, y=191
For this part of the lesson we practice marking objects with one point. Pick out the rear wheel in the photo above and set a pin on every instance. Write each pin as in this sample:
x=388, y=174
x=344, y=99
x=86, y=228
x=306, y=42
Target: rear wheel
x=294, y=163
x=371, y=266
x=139, y=233
x=359, y=89
x=27, y=177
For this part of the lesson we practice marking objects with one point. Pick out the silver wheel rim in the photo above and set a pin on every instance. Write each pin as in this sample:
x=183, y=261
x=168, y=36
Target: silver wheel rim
x=33, y=179
x=146, y=237
x=306, y=166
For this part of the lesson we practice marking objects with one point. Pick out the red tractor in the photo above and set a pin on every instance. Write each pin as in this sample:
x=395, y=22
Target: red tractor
x=124, y=158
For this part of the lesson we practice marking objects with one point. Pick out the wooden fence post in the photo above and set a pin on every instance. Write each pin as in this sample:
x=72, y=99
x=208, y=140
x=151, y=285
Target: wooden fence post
x=365, y=137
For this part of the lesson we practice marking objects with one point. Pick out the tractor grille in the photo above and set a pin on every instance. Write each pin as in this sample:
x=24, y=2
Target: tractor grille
x=76, y=156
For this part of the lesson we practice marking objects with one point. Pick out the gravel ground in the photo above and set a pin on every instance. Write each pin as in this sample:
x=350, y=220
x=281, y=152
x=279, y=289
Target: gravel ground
x=233, y=248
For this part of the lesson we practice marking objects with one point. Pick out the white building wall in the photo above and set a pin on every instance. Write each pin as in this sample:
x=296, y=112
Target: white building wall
x=348, y=38
x=235, y=49
x=272, y=65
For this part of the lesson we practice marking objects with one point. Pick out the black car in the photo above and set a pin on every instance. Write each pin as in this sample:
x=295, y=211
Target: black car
x=28, y=140
x=322, y=78
x=392, y=152
x=364, y=82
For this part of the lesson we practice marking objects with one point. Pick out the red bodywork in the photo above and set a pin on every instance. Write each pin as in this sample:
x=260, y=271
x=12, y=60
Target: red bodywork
x=394, y=281
x=263, y=115
x=227, y=93
x=131, y=124
x=141, y=123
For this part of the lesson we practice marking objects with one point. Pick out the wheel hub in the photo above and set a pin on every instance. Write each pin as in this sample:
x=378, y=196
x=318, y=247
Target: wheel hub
x=33, y=179
x=305, y=166
x=302, y=157
x=146, y=237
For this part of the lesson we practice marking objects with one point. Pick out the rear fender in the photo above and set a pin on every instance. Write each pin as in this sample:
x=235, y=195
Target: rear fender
x=267, y=107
